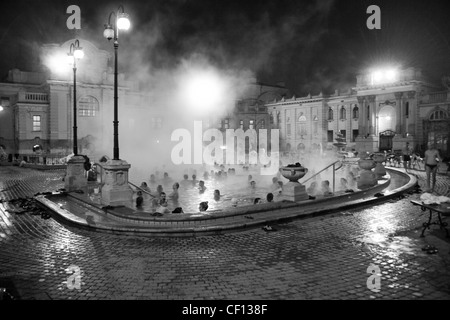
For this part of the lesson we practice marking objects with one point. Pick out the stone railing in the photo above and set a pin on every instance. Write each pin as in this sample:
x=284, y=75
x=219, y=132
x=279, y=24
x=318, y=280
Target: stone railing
x=33, y=97
x=437, y=97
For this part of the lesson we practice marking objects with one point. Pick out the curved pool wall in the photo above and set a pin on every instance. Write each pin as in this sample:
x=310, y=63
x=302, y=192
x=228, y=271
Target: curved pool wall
x=76, y=210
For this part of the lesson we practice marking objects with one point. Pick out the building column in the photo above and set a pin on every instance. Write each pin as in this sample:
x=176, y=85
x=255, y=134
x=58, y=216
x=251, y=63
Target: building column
x=399, y=127
x=362, y=116
x=411, y=115
x=372, y=115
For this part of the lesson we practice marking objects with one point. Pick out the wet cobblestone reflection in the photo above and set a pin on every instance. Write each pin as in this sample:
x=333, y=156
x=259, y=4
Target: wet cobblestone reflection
x=325, y=257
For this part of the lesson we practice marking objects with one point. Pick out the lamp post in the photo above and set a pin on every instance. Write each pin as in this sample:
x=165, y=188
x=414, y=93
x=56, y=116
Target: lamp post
x=120, y=22
x=116, y=189
x=75, y=178
x=75, y=52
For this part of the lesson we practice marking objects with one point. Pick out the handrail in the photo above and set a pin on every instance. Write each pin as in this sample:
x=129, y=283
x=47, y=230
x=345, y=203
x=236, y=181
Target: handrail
x=321, y=171
x=141, y=189
x=334, y=174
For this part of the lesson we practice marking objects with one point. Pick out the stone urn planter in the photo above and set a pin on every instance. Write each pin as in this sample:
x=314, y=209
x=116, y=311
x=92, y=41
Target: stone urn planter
x=293, y=173
x=380, y=170
x=293, y=190
x=367, y=177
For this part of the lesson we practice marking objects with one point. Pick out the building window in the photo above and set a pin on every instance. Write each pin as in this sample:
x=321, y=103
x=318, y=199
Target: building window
x=343, y=113
x=368, y=112
x=302, y=118
x=88, y=107
x=262, y=124
x=438, y=115
x=250, y=124
x=330, y=114
x=330, y=135
x=240, y=106
x=355, y=135
x=288, y=129
x=4, y=102
x=407, y=110
x=225, y=124
x=316, y=125
x=36, y=123
x=355, y=112
x=241, y=124
x=157, y=122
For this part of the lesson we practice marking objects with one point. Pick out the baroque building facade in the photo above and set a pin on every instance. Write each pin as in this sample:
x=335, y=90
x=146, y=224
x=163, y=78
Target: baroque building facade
x=36, y=115
x=373, y=116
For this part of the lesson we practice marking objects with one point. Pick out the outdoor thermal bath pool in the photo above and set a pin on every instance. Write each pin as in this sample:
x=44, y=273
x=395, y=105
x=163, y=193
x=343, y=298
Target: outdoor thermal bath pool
x=235, y=190
x=85, y=211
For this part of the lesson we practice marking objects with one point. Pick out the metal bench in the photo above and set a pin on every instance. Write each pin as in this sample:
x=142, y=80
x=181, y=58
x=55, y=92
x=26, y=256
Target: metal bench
x=439, y=209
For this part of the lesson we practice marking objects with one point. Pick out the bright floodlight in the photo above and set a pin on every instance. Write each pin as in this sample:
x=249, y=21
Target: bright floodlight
x=123, y=21
x=203, y=91
x=391, y=75
x=377, y=76
x=384, y=76
x=1, y=109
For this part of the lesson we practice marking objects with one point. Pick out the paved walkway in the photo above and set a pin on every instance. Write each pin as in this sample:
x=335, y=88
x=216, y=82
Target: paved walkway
x=325, y=257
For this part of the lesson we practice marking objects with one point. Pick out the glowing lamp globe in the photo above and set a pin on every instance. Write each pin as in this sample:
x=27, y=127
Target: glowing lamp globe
x=123, y=21
x=109, y=32
x=78, y=53
x=70, y=58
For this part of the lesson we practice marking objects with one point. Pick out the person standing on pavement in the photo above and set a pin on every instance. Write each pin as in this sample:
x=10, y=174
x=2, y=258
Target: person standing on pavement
x=432, y=159
x=407, y=157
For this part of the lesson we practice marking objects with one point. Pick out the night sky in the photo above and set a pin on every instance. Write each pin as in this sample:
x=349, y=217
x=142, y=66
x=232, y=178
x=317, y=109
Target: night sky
x=311, y=45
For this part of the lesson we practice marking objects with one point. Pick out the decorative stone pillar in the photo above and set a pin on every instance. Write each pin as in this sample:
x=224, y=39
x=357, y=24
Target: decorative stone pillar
x=75, y=178
x=411, y=120
x=116, y=190
x=372, y=115
x=362, y=116
x=399, y=126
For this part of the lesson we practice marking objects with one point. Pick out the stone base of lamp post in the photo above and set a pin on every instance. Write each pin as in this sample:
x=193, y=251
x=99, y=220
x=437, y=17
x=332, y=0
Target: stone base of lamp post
x=294, y=191
x=75, y=178
x=116, y=190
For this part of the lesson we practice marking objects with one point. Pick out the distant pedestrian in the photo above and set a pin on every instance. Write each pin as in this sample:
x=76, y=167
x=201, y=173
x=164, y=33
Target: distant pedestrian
x=407, y=151
x=432, y=159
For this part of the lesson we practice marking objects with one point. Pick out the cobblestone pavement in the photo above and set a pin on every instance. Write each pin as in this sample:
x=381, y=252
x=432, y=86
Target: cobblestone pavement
x=324, y=257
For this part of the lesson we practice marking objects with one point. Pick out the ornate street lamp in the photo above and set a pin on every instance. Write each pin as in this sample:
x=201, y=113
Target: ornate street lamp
x=120, y=21
x=116, y=190
x=75, y=53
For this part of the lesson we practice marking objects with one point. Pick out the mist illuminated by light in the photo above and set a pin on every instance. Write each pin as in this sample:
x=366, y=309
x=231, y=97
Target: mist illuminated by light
x=58, y=63
x=202, y=91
